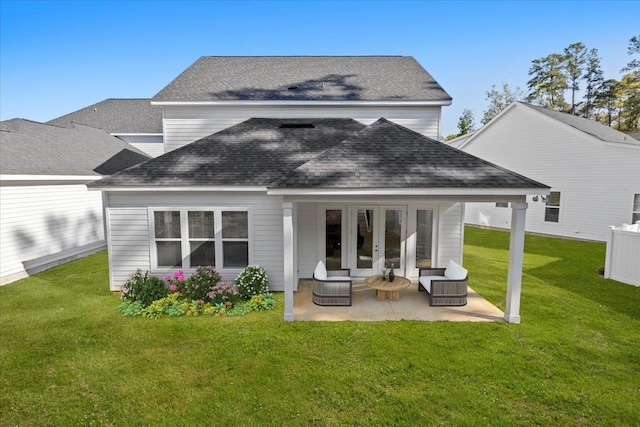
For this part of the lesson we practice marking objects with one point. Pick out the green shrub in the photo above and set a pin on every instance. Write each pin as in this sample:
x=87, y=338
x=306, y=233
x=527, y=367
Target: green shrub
x=130, y=308
x=262, y=302
x=252, y=281
x=171, y=305
x=144, y=288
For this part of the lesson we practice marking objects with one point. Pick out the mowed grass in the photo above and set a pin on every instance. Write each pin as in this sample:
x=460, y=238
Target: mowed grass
x=68, y=357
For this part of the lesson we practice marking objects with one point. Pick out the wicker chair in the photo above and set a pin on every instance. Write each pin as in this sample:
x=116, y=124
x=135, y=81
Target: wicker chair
x=335, y=290
x=443, y=291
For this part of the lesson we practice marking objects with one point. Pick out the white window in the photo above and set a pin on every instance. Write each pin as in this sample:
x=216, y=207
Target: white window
x=635, y=214
x=188, y=238
x=552, y=210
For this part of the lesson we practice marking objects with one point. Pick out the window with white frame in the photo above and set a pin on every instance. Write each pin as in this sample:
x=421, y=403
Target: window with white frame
x=635, y=214
x=188, y=238
x=552, y=208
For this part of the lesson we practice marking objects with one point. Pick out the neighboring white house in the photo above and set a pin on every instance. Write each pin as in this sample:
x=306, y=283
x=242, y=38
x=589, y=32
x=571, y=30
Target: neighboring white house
x=285, y=161
x=593, y=171
x=47, y=216
x=135, y=121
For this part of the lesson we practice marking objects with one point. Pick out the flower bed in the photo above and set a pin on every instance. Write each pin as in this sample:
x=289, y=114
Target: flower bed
x=201, y=294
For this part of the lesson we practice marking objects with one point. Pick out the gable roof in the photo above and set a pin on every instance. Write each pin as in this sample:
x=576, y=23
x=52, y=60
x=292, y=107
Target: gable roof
x=590, y=127
x=304, y=78
x=387, y=155
x=117, y=116
x=336, y=153
x=33, y=148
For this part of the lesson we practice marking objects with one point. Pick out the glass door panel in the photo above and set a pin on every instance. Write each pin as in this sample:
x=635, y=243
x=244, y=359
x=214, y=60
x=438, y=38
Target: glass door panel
x=393, y=238
x=365, y=240
x=333, y=233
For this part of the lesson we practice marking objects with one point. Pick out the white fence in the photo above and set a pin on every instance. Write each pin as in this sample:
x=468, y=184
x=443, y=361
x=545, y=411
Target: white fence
x=623, y=254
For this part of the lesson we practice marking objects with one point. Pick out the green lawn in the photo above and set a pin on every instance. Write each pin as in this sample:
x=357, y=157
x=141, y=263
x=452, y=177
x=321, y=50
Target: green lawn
x=68, y=357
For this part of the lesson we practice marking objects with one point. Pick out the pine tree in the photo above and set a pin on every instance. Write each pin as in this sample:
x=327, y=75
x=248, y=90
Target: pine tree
x=593, y=78
x=575, y=58
x=548, y=82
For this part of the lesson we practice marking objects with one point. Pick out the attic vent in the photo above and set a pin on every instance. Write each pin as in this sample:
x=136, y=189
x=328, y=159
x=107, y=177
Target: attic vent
x=297, y=126
x=295, y=87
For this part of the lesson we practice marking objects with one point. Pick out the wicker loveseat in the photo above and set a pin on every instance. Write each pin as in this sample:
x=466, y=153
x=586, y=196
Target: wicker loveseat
x=445, y=286
x=332, y=287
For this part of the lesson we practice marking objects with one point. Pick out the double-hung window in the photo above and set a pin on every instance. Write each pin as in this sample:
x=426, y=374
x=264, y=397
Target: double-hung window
x=187, y=238
x=552, y=209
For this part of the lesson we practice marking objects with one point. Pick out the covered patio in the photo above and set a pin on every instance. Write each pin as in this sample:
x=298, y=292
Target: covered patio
x=413, y=305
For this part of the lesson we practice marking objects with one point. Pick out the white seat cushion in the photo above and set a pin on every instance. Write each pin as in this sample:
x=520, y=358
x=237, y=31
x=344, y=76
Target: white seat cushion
x=425, y=281
x=455, y=271
x=338, y=278
x=320, y=272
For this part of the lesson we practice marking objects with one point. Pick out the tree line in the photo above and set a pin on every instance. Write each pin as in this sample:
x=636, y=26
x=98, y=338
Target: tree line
x=573, y=82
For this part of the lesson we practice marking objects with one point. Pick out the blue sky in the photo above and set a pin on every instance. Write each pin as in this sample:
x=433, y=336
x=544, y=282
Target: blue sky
x=57, y=57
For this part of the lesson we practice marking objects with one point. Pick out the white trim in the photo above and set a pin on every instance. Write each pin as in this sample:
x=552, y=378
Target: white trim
x=46, y=179
x=407, y=191
x=289, y=264
x=305, y=103
x=160, y=188
x=516, y=255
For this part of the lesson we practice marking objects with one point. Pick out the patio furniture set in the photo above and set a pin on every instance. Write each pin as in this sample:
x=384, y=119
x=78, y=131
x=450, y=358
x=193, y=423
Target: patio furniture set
x=445, y=286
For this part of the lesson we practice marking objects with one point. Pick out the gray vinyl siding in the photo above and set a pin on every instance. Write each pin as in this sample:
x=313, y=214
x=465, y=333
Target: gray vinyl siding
x=183, y=125
x=596, y=179
x=307, y=225
x=129, y=241
x=151, y=144
x=44, y=225
x=450, y=234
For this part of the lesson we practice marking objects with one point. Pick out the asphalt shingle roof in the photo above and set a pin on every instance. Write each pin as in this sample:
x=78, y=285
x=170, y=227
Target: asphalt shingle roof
x=387, y=155
x=32, y=148
x=304, y=78
x=254, y=152
x=117, y=116
x=600, y=131
x=335, y=153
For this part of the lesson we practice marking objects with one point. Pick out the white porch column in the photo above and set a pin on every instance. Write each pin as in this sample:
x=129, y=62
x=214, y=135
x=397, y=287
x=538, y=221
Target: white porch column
x=289, y=265
x=516, y=254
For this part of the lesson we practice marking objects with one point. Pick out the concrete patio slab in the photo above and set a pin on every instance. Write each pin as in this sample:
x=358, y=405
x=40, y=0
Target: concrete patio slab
x=413, y=305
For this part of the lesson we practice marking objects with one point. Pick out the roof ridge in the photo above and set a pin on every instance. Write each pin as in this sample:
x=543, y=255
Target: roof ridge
x=307, y=56
x=584, y=120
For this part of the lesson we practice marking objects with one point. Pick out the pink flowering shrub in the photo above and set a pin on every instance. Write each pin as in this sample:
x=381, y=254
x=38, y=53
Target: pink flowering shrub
x=196, y=287
x=223, y=293
x=176, y=282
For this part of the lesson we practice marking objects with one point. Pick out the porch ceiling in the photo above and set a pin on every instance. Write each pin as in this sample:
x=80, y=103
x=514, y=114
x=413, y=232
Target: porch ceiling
x=413, y=305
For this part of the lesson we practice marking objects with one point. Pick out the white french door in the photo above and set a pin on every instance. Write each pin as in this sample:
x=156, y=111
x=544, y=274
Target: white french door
x=377, y=239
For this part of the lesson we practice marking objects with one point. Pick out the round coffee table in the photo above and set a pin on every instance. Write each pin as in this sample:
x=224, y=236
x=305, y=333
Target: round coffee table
x=386, y=289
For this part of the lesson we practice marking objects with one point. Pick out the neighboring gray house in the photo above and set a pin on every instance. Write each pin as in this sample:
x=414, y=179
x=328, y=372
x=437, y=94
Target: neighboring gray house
x=285, y=161
x=593, y=171
x=47, y=216
x=135, y=121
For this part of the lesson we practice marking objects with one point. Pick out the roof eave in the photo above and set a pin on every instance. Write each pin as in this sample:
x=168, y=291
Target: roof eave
x=425, y=103
x=97, y=186
x=456, y=192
